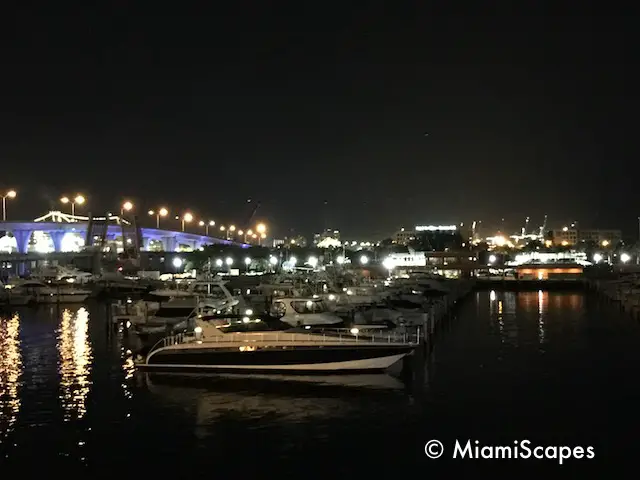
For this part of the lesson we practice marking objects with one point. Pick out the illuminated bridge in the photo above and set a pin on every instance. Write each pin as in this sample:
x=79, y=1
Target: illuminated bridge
x=60, y=232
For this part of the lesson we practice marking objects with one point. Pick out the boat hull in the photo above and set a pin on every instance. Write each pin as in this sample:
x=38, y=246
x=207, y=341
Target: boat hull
x=298, y=360
x=63, y=298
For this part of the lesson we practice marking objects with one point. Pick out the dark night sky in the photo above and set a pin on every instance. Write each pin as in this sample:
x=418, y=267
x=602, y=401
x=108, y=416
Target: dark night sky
x=528, y=112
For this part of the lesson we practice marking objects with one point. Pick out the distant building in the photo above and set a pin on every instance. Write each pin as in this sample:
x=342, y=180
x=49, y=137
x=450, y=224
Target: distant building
x=564, y=236
x=601, y=237
x=403, y=237
x=328, y=233
x=278, y=242
x=572, y=236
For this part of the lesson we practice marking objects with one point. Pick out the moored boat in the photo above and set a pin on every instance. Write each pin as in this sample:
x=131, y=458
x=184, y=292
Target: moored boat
x=253, y=345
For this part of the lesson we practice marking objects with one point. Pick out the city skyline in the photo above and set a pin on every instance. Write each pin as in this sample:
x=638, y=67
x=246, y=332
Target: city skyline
x=174, y=218
x=362, y=122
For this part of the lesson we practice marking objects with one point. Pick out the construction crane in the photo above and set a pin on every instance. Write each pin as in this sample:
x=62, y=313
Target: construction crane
x=526, y=227
x=543, y=228
x=252, y=214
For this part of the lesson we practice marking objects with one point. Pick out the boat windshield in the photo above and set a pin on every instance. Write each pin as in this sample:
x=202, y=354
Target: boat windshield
x=308, y=306
x=210, y=290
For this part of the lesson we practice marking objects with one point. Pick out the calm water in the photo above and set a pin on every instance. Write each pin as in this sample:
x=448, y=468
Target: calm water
x=555, y=368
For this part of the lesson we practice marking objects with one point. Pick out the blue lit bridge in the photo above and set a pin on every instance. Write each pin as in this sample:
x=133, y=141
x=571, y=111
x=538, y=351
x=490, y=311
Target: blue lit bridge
x=60, y=232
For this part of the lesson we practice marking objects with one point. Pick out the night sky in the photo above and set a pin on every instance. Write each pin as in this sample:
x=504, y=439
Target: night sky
x=320, y=113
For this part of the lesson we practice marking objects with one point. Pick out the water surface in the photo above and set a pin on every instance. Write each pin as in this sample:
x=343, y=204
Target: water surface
x=555, y=368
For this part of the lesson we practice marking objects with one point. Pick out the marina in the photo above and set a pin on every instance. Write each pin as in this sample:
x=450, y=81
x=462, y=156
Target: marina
x=291, y=241
x=478, y=350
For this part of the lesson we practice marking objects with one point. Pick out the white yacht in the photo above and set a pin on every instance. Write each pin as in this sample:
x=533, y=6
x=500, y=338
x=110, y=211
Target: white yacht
x=201, y=290
x=26, y=292
x=253, y=346
x=59, y=273
x=304, y=312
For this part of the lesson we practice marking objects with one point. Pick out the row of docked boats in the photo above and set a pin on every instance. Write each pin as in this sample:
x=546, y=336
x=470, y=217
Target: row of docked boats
x=285, y=325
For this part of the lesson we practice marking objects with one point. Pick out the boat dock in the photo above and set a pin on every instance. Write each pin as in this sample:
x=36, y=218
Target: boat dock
x=624, y=294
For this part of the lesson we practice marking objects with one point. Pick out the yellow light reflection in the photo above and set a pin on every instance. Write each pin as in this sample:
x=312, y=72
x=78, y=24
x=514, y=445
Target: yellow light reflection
x=542, y=305
x=10, y=372
x=128, y=367
x=75, y=363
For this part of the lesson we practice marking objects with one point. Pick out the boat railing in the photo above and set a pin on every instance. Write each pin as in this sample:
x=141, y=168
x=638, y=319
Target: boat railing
x=170, y=340
x=319, y=337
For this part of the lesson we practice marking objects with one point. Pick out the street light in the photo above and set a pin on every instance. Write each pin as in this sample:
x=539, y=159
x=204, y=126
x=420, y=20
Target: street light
x=206, y=226
x=186, y=218
x=229, y=261
x=261, y=228
x=9, y=194
x=162, y=212
x=79, y=199
x=126, y=207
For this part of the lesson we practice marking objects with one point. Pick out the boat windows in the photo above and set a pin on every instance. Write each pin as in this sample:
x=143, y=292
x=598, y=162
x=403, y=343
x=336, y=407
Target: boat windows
x=212, y=291
x=308, y=306
x=278, y=309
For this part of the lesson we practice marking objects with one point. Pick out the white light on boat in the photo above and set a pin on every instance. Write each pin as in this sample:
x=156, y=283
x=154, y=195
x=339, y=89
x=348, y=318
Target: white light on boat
x=128, y=324
x=597, y=257
x=293, y=261
x=248, y=311
x=492, y=295
x=258, y=320
x=316, y=296
x=198, y=329
x=625, y=257
x=246, y=320
x=177, y=262
x=364, y=259
x=71, y=280
x=313, y=262
x=349, y=292
x=309, y=304
x=332, y=297
x=218, y=262
x=355, y=331
x=273, y=260
x=492, y=258
x=229, y=261
x=388, y=263
x=340, y=259
x=307, y=327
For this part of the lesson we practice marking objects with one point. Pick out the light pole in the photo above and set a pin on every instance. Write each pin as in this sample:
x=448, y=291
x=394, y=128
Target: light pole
x=79, y=199
x=186, y=218
x=126, y=207
x=262, y=232
x=162, y=212
x=9, y=194
x=206, y=226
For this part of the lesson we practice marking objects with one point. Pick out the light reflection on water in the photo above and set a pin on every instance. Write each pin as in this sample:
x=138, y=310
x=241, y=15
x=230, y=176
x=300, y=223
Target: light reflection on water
x=75, y=356
x=512, y=314
x=10, y=373
x=286, y=400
